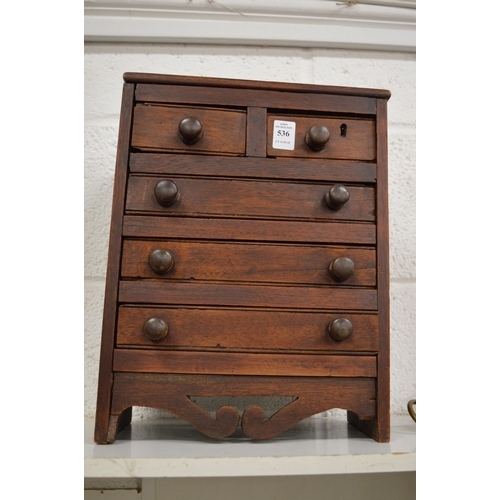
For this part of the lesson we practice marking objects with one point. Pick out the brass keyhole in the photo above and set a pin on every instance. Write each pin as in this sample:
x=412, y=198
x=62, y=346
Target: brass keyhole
x=343, y=130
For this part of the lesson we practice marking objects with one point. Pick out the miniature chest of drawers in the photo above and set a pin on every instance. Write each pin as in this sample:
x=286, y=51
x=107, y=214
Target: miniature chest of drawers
x=248, y=255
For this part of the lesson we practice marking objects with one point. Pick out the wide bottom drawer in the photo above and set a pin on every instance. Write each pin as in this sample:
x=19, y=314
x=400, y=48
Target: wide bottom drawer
x=231, y=363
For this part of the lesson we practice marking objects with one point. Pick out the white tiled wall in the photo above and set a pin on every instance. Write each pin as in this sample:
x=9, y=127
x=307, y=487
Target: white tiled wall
x=104, y=67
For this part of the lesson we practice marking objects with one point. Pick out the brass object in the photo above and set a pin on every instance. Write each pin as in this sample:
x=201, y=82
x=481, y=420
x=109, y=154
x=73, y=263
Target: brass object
x=337, y=196
x=411, y=409
x=166, y=193
x=340, y=329
x=160, y=261
x=341, y=268
x=155, y=329
x=317, y=137
x=190, y=130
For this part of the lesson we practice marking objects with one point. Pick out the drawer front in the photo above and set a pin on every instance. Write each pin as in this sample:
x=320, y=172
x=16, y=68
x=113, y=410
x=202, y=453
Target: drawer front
x=183, y=260
x=157, y=128
x=348, y=139
x=213, y=328
x=249, y=199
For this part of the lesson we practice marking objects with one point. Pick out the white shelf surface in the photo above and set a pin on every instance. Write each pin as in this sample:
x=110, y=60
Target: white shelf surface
x=156, y=448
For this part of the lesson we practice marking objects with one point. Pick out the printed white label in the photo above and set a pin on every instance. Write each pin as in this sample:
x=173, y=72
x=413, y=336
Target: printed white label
x=284, y=135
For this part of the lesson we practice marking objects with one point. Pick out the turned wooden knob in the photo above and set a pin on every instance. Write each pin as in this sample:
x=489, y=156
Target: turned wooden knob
x=160, y=261
x=341, y=268
x=155, y=329
x=166, y=193
x=317, y=137
x=340, y=329
x=337, y=197
x=190, y=130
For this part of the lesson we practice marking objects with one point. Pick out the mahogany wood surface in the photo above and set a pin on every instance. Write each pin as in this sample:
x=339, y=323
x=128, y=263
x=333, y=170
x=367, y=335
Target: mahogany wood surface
x=358, y=143
x=255, y=98
x=232, y=83
x=105, y=381
x=249, y=262
x=379, y=428
x=256, y=132
x=224, y=294
x=251, y=199
x=271, y=168
x=156, y=127
x=231, y=363
x=172, y=393
x=383, y=381
x=249, y=306
x=191, y=327
x=249, y=230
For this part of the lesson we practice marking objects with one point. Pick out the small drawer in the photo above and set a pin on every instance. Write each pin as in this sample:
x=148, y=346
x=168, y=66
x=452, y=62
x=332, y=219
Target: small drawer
x=246, y=329
x=250, y=198
x=203, y=261
x=181, y=129
x=320, y=137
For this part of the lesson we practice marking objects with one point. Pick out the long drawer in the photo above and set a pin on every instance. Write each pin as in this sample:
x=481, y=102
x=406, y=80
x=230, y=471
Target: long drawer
x=237, y=198
x=250, y=262
x=216, y=328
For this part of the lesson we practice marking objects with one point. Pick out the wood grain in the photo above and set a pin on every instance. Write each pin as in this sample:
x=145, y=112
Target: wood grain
x=249, y=299
x=312, y=101
x=379, y=428
x=230, y=363
x=211, y=328
x=249, y=262
x=256, y=132
x=358, y=144
x=210, y=294
x=263, y=168
x=156, y=127
x=300, y=88
x=383, y=383
x=251, y=199
x=249, y=230
x=172, y=393
x=105, y=380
